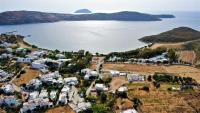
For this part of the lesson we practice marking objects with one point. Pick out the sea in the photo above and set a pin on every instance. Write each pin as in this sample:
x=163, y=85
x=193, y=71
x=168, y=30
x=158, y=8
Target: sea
x=99, y=36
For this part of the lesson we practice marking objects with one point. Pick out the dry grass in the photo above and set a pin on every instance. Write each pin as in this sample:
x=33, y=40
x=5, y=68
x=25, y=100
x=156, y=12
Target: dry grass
x=61, y=109
x=24, y=78
x=187, y=56
x=24, y=45
x=95, y=61
x=157, y=101
x=2, y=111
x=93, y=66
x=117, y=82
x=164, y=87
x=168, y=45
x=123, y=104
x=180, y=70
x=184, y=71
x=143, y=69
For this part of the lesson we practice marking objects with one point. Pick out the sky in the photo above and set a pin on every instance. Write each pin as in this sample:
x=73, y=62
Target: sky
x=69, y=6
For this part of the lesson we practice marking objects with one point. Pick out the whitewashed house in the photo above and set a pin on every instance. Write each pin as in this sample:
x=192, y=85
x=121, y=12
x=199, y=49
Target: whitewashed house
x=5, y=44
x=60, y=56
x=4, y=75
x=63, y=95
x=114, y=73
x=6, y=56
x=53, y=75
x=135, y=78
x=82, y=106
x=36, y=103
x=10, y=101
x=34, y=84
x=85, y=71
x=122, y=89
x=129, y=111
x=60, y=80
x=21, y=50
x=160, y=58
x=90, y=74
x=52, y=78
x=33, y=95
x=24, y=60
x=53, y=95
x=39, y=53
x=43, y=94
x=100, y=87
x=39, y=64
x=71, y=81
x=8, y=88
x=9, y=50
x=87, y=77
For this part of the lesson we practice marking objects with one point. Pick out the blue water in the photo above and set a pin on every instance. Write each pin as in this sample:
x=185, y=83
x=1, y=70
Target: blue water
x=99, y=36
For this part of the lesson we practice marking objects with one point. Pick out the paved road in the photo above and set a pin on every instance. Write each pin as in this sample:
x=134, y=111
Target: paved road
x=100, y=62
x=16, y=88
x=89, y=89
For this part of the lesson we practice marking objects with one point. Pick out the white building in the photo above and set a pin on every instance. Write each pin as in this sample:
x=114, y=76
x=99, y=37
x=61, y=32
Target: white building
x=82, y=106
x=85, y=71
x=122, y=89
x=89, y=73
x=60, y=80
x=4, y=75
x=8, y=88
x=33, y=104
x=160, y=58
x=129, y=111
x=71, y=81
x=43, y=94
x=60, y=56
x=135, y=78
x=39, y=53
x=114, y=73
x=24, y=60
x=53, y=95
x=10, y=101
x=53, y=75
x=33, y=95
x=37, y=65
x=9, y=50
x=21, y=50
x=6, y=56
x=5, y=44
x=100, y=87
x=34, y=84
x=63, y=95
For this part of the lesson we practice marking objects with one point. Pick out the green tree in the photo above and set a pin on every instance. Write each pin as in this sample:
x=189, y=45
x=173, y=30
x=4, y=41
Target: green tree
x=103, y=97
x=99, y=108
x=136, y=103
x=172, y=55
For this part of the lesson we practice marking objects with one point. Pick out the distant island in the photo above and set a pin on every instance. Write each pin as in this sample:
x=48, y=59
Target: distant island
x=181, y=34
x=26, y=17
x=83, y=11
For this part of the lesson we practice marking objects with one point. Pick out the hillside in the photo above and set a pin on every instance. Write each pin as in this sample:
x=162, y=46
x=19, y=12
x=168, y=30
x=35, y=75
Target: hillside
x=15, y=39
x=26, y=17
x=180, y=34
x=11, y=38
x=195, y=46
